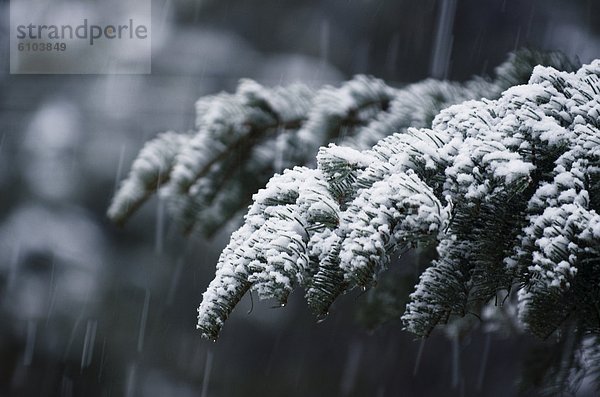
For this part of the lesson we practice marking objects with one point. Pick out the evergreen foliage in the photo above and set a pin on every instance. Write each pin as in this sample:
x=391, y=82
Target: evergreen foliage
x=208, y=175
x=506, y=189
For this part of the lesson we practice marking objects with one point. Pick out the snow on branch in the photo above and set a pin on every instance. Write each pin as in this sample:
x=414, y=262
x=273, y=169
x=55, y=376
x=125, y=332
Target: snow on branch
x=508, y=190
x=150, y=170
x=240, y=140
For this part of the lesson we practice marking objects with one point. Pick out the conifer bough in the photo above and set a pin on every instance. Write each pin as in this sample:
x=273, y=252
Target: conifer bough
x=507, y=189
x=207, y=176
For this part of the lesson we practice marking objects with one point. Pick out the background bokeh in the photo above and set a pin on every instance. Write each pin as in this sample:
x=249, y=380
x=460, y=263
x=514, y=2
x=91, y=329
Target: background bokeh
x=87, y=309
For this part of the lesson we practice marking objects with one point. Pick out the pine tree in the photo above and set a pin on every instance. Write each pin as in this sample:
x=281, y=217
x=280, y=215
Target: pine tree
x=506, y=189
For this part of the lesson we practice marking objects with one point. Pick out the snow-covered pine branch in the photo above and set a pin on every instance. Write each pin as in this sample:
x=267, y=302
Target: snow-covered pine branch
x=208, y=175
x=508, y=189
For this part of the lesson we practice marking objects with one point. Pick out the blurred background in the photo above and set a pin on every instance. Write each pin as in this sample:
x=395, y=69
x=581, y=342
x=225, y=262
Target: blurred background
x=88, y=309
